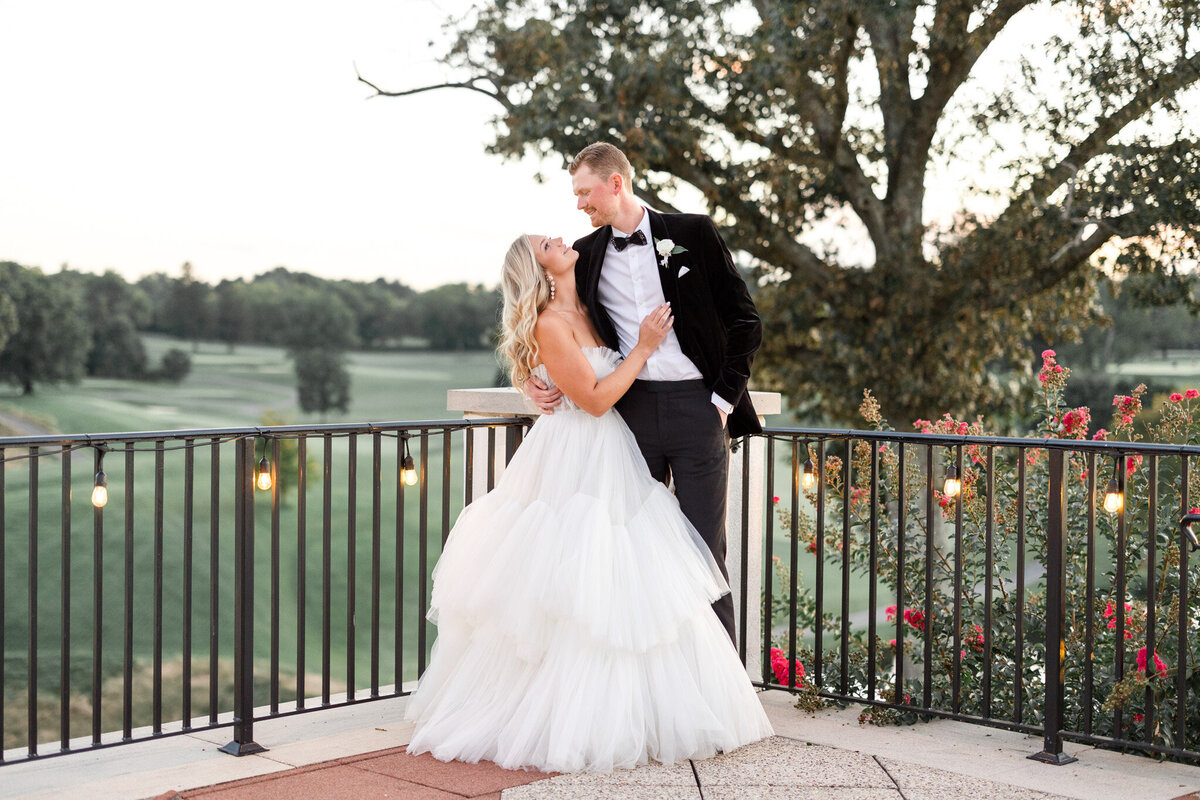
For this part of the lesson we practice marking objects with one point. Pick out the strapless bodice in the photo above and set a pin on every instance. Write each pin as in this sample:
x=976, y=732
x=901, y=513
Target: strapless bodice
x=603, y=361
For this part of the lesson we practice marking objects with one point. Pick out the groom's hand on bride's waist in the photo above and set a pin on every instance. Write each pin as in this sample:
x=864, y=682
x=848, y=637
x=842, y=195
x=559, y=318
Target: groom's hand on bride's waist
x=544, y=398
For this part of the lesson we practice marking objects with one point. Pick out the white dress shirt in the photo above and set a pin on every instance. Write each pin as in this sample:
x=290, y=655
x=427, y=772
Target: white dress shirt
x=629, y=289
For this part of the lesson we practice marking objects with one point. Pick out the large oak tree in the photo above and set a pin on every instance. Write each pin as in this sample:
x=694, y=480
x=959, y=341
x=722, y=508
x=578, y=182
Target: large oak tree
x=815, y=132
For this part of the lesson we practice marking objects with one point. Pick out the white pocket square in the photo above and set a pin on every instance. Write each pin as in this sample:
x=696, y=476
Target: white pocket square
x=683, y=271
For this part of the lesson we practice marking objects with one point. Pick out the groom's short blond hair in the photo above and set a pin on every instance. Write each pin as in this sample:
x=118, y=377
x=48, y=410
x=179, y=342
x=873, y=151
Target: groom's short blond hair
x=604, y=160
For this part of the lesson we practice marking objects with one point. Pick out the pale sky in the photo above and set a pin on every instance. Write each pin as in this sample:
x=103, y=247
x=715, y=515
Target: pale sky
x=139, y=134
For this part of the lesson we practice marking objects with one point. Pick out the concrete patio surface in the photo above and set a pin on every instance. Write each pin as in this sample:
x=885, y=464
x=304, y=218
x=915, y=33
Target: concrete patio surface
x=357, y=752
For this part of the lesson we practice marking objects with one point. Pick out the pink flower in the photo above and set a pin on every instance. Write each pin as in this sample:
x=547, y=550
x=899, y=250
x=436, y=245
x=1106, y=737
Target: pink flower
x=1100, y=434
x=1138, y=717
x=1159, y=666
x=779, y=665
x=1126, y=419
x=976, y=640
x=892, y=642
x=1192, y=394
x=776, y=498
x=1132, y=464
x=915, y=618
x=1176, y=397
x=1048, y=354
x=890, y=611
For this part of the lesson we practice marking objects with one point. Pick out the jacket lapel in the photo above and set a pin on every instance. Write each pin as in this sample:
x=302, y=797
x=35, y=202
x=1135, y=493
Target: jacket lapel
x=596, y=263
x=658, y=231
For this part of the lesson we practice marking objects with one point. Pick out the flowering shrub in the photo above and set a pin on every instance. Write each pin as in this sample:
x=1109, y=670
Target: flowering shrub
x=997, y=520
x=779, y=665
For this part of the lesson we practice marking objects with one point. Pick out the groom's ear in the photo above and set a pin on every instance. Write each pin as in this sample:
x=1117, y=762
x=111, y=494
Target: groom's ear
x=616, y=181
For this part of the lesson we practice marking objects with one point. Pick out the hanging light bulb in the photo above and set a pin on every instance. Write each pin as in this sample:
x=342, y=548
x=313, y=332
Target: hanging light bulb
x=1114, y=498
x=100, y=490
x=263, y=479
x=809, y=478
x=953, y=485
x=408, y=469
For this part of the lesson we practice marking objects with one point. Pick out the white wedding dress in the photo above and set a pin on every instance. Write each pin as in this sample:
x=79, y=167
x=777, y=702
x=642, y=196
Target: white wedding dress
x=575, y=631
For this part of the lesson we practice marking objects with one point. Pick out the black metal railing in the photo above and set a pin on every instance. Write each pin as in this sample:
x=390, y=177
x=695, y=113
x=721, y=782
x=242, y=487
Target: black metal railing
x=137, y=636
x=1018, y=600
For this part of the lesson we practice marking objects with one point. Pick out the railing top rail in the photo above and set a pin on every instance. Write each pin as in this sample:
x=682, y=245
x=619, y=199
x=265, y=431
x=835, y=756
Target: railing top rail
x=1111, y=448
x=88, y=439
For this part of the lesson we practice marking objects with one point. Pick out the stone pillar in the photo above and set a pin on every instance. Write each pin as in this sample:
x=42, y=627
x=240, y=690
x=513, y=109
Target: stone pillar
x=475, y=404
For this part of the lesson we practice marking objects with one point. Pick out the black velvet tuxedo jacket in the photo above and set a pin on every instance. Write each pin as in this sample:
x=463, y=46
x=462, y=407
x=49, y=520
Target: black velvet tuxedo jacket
x=715, y=320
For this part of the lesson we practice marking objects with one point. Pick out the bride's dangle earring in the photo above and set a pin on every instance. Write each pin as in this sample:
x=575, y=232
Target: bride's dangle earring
x=552, y=287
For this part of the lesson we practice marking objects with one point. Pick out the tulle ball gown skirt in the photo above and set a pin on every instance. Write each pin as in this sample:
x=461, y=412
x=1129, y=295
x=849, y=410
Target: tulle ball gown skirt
x=575, y=629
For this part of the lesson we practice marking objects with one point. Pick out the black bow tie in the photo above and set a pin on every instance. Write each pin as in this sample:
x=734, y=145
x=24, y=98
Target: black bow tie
x=621, y=242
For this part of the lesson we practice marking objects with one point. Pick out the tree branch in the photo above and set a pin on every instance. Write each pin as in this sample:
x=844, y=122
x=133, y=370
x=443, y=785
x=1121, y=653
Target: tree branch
x=495, y=94
x=1183, y=75
x=762, y=239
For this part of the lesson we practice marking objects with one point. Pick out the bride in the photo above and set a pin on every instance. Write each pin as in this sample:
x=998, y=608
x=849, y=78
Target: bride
x=573, y=601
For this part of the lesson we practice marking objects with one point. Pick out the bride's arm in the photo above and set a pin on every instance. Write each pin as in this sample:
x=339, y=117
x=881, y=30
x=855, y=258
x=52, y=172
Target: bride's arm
x=571, y=371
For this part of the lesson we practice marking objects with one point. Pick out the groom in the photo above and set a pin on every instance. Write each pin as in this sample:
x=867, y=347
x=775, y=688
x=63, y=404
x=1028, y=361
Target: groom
x=691, y=395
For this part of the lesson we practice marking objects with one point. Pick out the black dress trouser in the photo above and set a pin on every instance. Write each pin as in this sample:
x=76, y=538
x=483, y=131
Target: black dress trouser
x=679, y=430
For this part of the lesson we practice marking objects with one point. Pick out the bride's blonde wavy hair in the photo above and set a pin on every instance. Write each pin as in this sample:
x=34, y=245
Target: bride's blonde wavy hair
x=526, y=292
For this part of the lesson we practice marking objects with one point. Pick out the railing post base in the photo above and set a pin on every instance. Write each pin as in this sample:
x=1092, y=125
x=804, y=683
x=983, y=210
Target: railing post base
x=236, y=748
x=1057, y=759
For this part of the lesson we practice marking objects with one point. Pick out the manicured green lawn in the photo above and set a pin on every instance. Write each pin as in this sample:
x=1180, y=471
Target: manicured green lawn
x=224, y=389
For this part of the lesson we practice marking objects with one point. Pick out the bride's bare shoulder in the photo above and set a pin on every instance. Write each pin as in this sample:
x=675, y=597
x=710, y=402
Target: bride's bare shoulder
x=551, y=324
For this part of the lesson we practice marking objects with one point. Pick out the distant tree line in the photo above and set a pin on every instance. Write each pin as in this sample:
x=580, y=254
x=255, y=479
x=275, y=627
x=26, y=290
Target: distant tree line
x=298, y=311
x=62, y=326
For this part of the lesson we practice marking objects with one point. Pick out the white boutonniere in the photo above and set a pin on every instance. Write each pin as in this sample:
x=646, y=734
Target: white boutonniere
x=667, y=248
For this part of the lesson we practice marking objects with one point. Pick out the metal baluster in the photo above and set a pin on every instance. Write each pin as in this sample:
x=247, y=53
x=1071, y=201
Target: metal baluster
x=3, y=579
x=446, y=483
x=156, y=691
x=1121, y=553
x=275, y=492
x=818, y=644
x=1181, y=672
x=423, y=544
x=768, y=563
x=127, y=693
x=243, y=743
x=64, y=679
x=31, y=680
x=989, y=567
x=189, y=496
x=956, y=679
x=1019, y=667
x=1151, y=563
x=744, y=568
x=326, y=569
x=873, y=571
x=793, y=565
x=398, y=656
x=214, y=575
x=927, y=698
x=351, y=565
x=376, y=546
x=1089, y=628
x=301, y=564
x=901, y=546
x=847, y=489
x=1056, y=615
x=97, y=604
